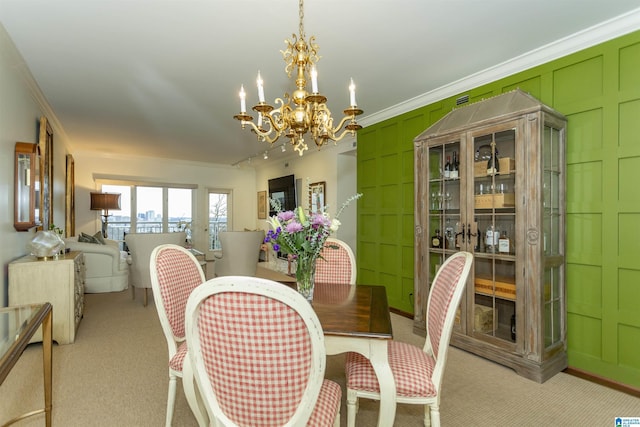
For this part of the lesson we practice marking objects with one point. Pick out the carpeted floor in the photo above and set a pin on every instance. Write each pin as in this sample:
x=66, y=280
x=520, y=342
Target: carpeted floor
x=115, y=374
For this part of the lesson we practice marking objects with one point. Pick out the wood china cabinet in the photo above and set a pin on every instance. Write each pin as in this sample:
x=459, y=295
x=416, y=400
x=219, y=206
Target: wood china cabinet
x=503, y=199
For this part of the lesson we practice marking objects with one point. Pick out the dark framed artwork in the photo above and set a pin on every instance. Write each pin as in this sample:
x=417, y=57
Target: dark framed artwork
x=317, y=196
x=45, y=142
x=262, y=204
x=70, y=198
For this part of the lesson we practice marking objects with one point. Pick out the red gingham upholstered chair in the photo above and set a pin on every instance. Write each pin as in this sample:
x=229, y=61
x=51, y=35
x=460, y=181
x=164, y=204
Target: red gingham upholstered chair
x=256, y=351
x=417, y=372
x=337, y=265
x=175, y=272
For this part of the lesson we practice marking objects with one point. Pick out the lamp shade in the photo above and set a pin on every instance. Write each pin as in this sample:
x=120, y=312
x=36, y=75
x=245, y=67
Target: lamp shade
x=105, y=201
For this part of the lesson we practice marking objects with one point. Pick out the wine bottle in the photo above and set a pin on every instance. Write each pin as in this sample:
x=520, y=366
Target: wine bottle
x=447, y=168
x=493, y=164
x=454, y=167
x=491, y=239
x=436, y=240
x=504, y=243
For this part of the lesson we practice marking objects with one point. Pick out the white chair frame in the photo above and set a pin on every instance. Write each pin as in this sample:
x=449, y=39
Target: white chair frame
x=432, y=404
x=173, y=341
x=194, y=365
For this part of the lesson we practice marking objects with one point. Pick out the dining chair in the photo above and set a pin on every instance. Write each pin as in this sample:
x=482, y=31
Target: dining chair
x=239, y=254
x=256, y=351
x=175, y=273
x=140, y=246
x=417, y=372
x=336, y=264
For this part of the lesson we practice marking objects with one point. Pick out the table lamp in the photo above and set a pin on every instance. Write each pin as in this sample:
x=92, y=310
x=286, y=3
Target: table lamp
x=104, y=202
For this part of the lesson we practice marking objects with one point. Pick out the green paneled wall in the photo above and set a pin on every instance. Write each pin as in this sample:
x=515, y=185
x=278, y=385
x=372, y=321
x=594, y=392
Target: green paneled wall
x=598, y=90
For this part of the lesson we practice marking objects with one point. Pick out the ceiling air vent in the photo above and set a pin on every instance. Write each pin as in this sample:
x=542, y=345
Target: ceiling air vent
x=462, y=100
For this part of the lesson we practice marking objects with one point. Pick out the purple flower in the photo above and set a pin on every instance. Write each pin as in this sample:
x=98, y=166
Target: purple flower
x=276, y=247
x=319, y=220
x=293, y=227
x=286, y=216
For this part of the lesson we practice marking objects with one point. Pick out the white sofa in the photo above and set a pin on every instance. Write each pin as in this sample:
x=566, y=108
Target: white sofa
x=140, y=247
x=106, y=266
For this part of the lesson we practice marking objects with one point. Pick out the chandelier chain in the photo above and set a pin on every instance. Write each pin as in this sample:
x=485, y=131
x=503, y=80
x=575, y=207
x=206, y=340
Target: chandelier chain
x=301, y=14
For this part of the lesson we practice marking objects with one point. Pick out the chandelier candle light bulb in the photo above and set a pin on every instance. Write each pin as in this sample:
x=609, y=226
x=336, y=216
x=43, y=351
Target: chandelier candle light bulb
x=243, y=100
x=260, y=89
x=352, y=94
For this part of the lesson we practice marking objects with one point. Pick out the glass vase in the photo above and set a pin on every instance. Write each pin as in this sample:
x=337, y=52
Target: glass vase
x=305, y=277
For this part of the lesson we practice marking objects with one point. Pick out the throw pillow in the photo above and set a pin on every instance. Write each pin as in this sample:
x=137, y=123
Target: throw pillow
x=100, y=238
x=87, y=238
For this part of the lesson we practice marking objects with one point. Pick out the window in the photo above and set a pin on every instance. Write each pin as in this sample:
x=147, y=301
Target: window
x=219, y=216
x=150, y=209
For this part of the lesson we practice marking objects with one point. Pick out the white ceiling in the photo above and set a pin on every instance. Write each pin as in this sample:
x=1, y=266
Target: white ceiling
x=161, y=77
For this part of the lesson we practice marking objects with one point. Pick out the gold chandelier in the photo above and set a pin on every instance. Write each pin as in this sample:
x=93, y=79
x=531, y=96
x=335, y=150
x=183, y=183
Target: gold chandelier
x=302, y=112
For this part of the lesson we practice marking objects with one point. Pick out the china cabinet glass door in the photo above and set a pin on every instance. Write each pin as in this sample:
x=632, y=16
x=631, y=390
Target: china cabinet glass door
x=445, y=226
x=494, y=233
x=553, y=232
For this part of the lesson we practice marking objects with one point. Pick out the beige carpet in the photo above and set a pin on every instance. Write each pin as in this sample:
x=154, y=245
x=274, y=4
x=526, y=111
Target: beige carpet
x=115, y=374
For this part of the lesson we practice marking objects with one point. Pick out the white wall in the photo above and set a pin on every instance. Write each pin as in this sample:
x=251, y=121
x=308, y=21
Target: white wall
x=336, y=166
x=21, y=106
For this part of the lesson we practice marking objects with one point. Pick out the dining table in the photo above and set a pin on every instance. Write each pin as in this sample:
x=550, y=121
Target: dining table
x=354, y=318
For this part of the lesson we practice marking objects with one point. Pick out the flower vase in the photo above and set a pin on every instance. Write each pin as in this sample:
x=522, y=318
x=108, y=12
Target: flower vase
x=305, y=277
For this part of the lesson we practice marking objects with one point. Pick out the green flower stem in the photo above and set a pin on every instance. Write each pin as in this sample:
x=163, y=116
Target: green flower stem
x=305, y=276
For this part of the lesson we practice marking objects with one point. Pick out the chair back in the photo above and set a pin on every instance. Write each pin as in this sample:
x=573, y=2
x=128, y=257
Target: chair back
x=256, y=350
x=140, y=246
x=240, y=253
x=444, y=298
x=337, y=263
x=175, y=273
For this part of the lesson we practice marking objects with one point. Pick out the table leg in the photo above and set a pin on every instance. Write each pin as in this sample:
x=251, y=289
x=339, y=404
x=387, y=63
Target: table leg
x=376, y=351
x=47, y=356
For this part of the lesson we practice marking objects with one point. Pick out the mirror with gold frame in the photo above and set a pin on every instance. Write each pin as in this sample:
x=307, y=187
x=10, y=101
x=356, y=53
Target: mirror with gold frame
x=27, y=186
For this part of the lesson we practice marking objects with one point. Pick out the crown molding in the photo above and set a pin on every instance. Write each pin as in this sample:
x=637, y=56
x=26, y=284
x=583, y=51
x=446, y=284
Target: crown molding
x=600, y=33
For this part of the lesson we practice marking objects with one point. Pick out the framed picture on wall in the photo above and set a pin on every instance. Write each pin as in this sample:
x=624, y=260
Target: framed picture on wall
x=262, y=205
x=317, y=196
x=70, y=198
x=45, y=142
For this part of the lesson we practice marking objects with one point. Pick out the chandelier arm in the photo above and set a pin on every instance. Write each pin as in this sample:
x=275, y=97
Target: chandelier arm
x=344, y=120
x=344, y=133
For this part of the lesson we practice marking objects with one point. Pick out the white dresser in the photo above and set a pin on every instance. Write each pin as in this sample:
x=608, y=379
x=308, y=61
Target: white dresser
x=58, y=281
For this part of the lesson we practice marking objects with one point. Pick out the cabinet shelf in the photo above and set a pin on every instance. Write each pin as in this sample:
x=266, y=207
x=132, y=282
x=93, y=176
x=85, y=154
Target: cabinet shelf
x=502, y=287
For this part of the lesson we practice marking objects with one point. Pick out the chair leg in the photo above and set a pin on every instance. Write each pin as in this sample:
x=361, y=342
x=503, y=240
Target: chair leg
x=171, y=399
x=145, y=297
x=432, y=417
x=133, y=292
x=194, y=399
x=352, y=407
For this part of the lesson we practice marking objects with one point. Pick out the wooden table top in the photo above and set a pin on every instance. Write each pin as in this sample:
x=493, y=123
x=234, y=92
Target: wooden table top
x=345, y=310
x=353, y=310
